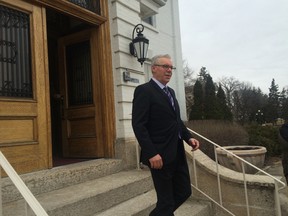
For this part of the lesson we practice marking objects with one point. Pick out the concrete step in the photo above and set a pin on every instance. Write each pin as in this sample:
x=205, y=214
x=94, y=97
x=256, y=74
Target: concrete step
x=193, y=207
x=139, y=205
x=96, y=187
x=144, y=203
x=90, y=197
x=59, y=177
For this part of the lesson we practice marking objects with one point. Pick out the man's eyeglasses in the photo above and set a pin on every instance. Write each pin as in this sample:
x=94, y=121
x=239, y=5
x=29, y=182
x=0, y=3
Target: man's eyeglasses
x=166, y=67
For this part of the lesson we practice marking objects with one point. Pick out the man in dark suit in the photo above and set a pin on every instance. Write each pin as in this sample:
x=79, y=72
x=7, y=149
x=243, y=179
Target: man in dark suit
x=283, y=131
x=160, y=132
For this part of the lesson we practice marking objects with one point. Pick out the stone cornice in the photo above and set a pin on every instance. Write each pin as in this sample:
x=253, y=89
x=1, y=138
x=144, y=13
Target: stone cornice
x=160, y=2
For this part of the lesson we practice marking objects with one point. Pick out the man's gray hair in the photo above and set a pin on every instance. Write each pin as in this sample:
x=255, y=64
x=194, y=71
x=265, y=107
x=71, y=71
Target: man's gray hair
x=154, y=59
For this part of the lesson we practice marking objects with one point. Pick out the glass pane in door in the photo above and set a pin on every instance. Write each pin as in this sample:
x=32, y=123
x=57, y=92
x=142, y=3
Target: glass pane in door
x=79, y=77
x=15, y=54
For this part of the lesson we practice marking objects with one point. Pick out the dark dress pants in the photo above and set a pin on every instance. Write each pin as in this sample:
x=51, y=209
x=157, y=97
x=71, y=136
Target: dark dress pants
x=172, y=185
x=285, y=164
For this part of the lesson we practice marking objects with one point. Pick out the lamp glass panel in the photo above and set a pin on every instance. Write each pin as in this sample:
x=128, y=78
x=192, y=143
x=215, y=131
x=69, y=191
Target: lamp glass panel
x=138, y=49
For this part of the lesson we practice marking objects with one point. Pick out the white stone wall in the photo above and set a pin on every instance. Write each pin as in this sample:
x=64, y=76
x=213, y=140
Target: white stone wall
x=164, y=38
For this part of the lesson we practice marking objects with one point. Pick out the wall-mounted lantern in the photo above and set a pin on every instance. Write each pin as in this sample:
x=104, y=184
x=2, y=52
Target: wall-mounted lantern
x=139, y=45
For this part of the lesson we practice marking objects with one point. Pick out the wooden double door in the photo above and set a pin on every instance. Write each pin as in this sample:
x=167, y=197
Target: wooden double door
x=84, y=93
x=84, y=126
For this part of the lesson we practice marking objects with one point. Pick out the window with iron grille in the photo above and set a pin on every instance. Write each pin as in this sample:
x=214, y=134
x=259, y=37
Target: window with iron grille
x=15, y=54
x=91, y=5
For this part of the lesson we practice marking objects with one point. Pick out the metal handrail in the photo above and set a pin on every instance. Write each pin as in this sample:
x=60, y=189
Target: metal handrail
x=220, y=204
x=22, y=188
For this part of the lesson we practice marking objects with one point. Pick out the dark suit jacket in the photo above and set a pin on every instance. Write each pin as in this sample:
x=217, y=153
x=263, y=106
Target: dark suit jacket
x=283, y=136
x=156, y=124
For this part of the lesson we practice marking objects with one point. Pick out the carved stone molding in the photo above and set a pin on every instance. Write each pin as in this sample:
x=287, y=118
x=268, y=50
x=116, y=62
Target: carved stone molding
x=160, y=2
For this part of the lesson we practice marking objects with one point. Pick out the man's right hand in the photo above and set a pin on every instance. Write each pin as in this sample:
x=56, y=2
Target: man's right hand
x=156, y=162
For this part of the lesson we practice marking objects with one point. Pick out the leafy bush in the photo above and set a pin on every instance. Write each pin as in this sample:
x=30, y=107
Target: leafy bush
x=223, y=133
x=226, y=133
x=266, y=136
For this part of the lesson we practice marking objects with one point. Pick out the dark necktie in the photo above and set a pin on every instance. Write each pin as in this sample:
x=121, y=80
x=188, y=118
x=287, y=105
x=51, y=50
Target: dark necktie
x=165, y=89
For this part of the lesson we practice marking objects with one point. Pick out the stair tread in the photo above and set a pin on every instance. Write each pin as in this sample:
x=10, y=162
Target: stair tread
x=118, y=193
x=132, y=206
x=44, y=181
x=72, y=194
x=92, y=187
x=193, y=207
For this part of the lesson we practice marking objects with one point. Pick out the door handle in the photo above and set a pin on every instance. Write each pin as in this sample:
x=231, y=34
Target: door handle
x=60, y=98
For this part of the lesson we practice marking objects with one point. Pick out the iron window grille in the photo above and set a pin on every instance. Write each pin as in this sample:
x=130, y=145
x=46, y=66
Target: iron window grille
x=15, y=54
x=91, y=5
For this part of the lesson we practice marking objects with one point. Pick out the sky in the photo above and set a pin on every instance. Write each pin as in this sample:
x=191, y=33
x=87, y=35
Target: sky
x=244, y=39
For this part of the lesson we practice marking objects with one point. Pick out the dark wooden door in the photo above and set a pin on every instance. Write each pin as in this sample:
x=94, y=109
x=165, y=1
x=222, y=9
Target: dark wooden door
x=80, y=113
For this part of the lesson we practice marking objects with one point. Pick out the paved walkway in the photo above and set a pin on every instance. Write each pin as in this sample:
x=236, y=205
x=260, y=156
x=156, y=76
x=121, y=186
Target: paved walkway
x=275, y=168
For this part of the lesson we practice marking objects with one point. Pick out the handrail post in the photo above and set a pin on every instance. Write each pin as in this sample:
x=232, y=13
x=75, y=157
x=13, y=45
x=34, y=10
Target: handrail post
x=26, y=208
x=245, y=188
x=195, y=170
x=218, y=177
x=277, y=200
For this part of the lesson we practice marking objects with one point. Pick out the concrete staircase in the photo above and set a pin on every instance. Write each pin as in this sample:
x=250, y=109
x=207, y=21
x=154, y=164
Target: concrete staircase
x=92, y=188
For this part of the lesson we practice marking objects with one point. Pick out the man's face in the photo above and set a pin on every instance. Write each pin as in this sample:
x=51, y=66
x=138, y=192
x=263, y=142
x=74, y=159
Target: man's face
x=161, y=73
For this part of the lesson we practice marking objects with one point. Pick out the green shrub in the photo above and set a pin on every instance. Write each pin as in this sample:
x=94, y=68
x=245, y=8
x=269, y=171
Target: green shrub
x=266, y=136
x=223, y=133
